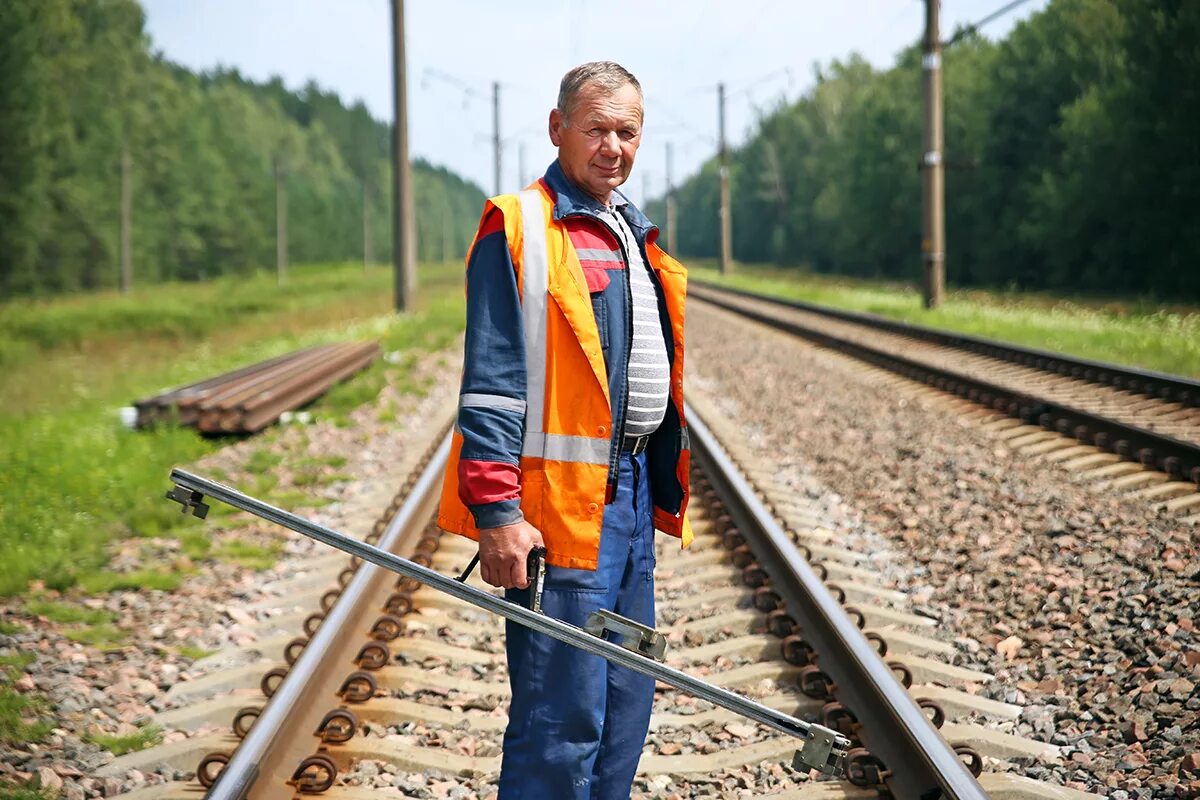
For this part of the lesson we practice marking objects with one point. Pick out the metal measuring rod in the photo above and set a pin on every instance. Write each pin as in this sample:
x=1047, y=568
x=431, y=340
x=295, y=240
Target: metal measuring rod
x=823, y=749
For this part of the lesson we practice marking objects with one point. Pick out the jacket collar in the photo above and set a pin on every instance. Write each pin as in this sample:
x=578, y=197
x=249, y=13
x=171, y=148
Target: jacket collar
x=570, y=199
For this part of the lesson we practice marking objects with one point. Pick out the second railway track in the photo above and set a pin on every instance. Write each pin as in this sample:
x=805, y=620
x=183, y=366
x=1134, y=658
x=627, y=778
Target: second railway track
x=406, y=689
x=1132, y=418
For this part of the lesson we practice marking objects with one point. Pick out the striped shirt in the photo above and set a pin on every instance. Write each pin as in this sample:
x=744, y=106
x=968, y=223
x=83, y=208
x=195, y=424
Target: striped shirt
x=649, y=370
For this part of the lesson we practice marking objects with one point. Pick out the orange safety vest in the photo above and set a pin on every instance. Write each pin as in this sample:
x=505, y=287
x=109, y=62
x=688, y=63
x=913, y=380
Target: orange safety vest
x=568, y=435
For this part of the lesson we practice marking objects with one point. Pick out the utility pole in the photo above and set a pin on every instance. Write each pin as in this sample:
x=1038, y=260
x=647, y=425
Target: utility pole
x=126, y=220
x=403, y=238
x=445, y=228
x=671, y=238
x=368, y=246
x=933, y=175
x=496, y=130
x=281, y=234
x=521, y=164
x=726, y=219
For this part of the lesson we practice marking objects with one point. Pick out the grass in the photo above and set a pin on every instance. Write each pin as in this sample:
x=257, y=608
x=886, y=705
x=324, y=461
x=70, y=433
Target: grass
x=142, y=579
x=9, y=628
x=148, y=736
x=14, y=664
x=193, y=652
x=17, y=791
x=87, y=625
x=1131, y=333
x=102, y=636
x=66, y=613
x=249, y=555
x=73, y=480
x=19, y=720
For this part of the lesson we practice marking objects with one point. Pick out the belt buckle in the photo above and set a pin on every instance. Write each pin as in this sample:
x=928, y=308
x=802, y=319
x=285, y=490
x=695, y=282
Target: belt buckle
x=639, y=445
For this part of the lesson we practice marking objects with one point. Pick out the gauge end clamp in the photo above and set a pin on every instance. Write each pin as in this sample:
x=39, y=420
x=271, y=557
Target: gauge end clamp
x=631, y=635
x=824, y=750
x=191, y=500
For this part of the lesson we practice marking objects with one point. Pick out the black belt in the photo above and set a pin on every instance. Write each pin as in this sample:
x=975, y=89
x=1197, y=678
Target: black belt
x=635, y=444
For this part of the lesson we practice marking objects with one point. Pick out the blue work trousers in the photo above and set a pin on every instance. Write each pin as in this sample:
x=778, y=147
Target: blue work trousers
x=577, y=723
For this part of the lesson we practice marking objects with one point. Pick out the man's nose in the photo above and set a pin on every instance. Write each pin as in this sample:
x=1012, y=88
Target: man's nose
x=610, y=144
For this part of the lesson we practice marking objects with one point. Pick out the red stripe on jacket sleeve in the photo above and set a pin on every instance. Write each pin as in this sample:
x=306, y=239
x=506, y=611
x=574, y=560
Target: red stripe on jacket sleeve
x=487, y=481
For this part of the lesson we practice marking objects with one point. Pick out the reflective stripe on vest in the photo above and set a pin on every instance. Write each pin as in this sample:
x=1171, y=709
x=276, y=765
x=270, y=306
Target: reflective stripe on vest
x=475, y=400
x=535, y=294
x=535, y=278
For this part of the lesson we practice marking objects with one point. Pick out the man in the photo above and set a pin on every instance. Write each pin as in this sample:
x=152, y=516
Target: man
x=571, y=434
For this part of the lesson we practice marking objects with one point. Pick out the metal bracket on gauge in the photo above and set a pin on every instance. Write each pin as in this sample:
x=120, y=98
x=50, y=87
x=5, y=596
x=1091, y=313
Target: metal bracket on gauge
x=639, y=638
x=824, y=750
x=191, y=500
x=612, y=637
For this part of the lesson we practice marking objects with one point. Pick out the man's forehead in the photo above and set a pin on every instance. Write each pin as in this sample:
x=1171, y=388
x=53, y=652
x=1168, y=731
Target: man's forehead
x=595, y=102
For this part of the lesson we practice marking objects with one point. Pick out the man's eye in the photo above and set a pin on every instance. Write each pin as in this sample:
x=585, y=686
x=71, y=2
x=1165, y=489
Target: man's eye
x=595, y=132
x=628, y=135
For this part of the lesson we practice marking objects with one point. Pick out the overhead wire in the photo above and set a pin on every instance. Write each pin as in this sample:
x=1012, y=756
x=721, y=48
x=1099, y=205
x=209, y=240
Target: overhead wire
x=975, y=26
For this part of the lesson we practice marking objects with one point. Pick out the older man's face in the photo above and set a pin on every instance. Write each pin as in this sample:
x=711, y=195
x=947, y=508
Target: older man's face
x=596, y=149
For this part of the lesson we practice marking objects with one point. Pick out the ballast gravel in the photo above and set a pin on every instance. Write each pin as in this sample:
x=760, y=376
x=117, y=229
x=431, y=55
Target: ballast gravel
x=1083, y=604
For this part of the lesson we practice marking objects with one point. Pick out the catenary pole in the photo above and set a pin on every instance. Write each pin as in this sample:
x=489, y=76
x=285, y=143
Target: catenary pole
x=671, y=234
x=403, y=233
x=281, y=221
x=933, y=175
x=496, y=132
x=126, y=220
x=726, y=218
x=368, y=247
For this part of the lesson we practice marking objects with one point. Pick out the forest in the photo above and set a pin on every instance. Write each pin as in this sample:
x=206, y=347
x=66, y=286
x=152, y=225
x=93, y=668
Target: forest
x=1072, y=153
x=83, y=93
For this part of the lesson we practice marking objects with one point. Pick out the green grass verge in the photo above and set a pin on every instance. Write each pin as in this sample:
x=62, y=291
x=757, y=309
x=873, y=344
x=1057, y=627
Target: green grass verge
x=9, y=628
x=177, y=311
x=1132, y=333
x=72, y=479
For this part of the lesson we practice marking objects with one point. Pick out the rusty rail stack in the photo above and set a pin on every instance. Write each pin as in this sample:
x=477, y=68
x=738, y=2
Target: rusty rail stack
x=249, y=399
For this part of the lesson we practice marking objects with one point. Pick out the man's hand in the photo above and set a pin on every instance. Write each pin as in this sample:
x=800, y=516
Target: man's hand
x=504, y=551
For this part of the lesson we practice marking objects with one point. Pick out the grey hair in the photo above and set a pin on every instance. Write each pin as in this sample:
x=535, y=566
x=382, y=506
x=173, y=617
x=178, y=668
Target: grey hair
x=608, y=75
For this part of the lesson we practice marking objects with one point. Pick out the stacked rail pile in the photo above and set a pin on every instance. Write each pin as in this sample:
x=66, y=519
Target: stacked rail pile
x=249, y=399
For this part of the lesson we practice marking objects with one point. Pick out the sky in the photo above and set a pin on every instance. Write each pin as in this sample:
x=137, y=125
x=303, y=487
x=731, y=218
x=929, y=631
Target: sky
x=763, y=50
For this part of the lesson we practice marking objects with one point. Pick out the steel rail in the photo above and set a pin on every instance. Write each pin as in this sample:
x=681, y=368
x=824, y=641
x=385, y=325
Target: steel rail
x=822, y=748
x=895, y=728
x=1160, y=451
x=1161, y=385
x=262, y=753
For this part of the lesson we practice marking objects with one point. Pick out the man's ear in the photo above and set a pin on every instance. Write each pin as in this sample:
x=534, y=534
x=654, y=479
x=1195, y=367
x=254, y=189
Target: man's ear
x=556, y=126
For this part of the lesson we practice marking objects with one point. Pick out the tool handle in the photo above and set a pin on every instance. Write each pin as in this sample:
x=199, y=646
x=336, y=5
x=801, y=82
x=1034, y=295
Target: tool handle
x=466, y=573
x=535, y=571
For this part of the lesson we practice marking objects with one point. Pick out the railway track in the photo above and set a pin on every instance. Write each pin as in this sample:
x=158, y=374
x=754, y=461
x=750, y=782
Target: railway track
x=1132, y=431
x=395, y=685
